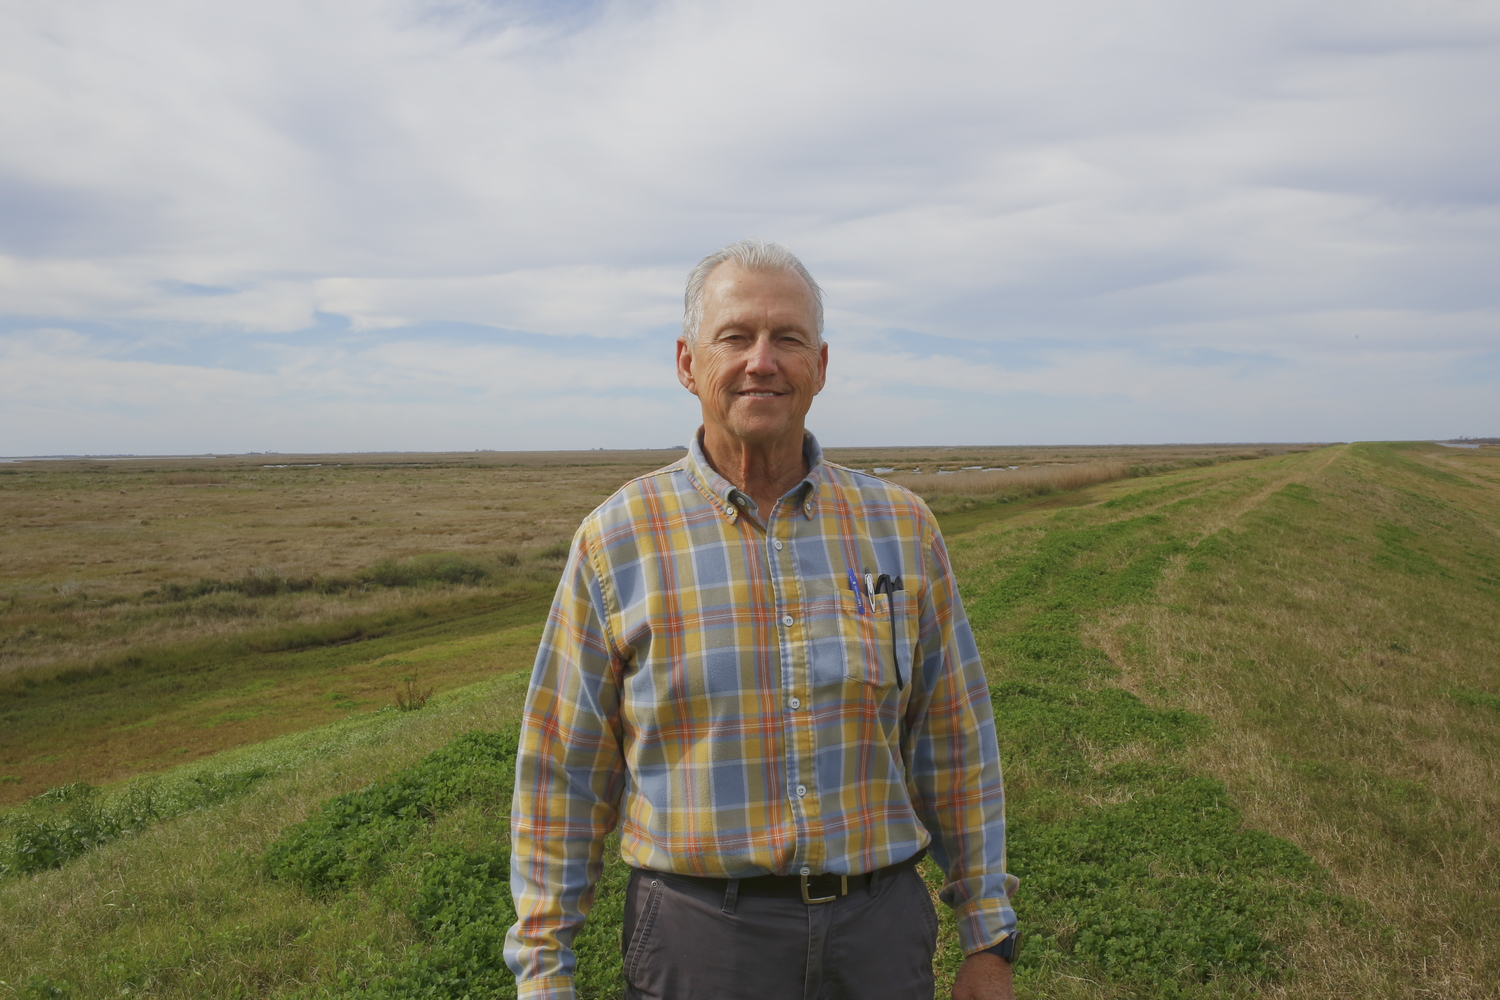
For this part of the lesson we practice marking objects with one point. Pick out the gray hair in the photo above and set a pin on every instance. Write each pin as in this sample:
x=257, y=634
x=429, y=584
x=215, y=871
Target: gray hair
x=752, y=255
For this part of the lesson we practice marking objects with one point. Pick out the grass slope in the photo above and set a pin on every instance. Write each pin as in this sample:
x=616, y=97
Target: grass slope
x=1248, y=715
x=156, y=706
x=1336, y=626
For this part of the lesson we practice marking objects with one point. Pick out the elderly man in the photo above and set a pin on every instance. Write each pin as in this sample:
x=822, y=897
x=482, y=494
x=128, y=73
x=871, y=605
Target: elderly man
x=757, y=666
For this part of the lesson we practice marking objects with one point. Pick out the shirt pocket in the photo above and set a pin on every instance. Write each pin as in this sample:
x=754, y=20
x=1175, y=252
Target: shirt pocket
x=868, y=641
x=895, y=620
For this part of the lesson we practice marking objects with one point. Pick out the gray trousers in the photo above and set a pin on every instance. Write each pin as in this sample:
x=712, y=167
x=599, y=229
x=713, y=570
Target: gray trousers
x=686, y=942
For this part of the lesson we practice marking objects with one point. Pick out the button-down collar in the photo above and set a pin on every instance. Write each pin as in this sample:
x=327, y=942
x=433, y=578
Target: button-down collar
x=732, y=501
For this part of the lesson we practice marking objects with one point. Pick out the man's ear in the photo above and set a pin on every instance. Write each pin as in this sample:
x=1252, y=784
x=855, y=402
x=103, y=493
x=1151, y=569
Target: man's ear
x=685, y=366
x=822, y=366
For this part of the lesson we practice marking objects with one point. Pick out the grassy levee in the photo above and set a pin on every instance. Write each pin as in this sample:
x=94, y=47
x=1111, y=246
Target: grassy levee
x=1248, y=712
x=137, y=712
x=1337, y=629
x=186, y=909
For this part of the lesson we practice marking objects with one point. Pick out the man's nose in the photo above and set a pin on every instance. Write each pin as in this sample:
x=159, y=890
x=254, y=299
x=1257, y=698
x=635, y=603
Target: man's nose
x=762, y=359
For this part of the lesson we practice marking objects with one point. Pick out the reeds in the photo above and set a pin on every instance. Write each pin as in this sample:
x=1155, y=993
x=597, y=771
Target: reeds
x=1009, y=484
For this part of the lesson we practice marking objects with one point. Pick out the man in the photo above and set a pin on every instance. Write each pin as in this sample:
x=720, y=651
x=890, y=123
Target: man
x=757, y=666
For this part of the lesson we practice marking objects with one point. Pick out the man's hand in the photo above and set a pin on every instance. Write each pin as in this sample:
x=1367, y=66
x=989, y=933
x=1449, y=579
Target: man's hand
x=983, y=977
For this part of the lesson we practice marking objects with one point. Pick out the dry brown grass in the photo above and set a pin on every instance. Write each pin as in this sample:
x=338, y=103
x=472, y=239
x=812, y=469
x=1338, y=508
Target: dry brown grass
x=1034, y=480
x=926, y=460
x=93, y=548
x=96, y=545
x=91, y=545
x=86, y=541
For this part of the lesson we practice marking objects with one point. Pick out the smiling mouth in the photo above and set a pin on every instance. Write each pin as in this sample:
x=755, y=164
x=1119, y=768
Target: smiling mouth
x=760, y=394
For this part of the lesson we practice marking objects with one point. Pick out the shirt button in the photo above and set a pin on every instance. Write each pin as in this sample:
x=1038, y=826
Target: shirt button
x=776, y=542
x=796, y=702
x=801, y=789
x=786, y=619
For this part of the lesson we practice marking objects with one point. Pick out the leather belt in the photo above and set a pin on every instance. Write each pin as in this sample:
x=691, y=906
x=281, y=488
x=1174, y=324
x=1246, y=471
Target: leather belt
x=822, y=888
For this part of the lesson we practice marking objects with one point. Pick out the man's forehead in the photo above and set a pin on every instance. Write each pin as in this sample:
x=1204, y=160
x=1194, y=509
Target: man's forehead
x=733, y=288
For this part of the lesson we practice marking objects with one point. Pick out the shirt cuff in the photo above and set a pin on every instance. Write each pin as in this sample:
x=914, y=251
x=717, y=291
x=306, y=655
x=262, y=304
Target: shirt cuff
x=984, y=923
x=545, y=988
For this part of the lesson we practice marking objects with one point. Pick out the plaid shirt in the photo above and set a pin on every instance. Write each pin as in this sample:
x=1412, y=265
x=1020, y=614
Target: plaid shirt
x=710, y=681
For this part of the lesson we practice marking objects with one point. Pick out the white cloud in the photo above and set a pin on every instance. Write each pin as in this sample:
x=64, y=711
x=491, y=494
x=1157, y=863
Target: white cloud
x=67, y=392
x=560, y=300
x=125, y=290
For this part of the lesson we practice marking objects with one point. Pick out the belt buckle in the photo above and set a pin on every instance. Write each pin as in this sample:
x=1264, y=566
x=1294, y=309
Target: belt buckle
x=843, y=891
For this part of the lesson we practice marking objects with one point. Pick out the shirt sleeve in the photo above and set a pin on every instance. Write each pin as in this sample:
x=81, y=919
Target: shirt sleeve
x=569, y=770
x=956, y=765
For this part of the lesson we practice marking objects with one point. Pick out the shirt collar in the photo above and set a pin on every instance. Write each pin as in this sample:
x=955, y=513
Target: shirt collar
x=728, y=498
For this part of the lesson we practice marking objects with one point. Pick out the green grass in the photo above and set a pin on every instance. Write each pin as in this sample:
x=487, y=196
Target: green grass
x=94, y=719
x=1478, y=699
x=1327, y=628
x=1249, y=720
x=147, y=680
x=188, y=908
x=68, y=821
x=1135, y=871
x=1164, y=891
x=385, y=839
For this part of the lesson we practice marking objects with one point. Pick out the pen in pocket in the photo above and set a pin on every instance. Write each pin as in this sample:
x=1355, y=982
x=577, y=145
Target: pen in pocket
x=859, y=601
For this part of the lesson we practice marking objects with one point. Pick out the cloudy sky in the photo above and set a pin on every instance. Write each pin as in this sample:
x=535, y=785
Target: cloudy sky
x=329, y=225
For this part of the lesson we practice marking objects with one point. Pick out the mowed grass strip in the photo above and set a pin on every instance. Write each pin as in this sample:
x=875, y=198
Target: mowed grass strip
x=1138, y=876
x=1338, y=634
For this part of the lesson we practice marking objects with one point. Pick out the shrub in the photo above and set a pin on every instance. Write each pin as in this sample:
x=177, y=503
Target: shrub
x=410, y=697
x=433, y=568
x=437, y=567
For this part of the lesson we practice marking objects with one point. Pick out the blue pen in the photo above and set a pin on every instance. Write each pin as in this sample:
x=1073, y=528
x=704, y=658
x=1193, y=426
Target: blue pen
x=859, y=602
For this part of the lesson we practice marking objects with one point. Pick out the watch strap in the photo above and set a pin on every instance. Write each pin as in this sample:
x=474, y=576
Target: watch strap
x=1007, y=948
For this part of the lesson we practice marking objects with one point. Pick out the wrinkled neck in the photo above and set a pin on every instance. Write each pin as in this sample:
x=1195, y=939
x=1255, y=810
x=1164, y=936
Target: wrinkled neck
x=762, y=471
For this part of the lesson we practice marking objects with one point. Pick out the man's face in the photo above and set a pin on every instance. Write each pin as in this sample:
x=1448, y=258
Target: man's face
x=757, y=364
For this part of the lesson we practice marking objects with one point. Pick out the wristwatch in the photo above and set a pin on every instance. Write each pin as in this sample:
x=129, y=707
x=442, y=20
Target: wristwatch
x=1008, y=948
